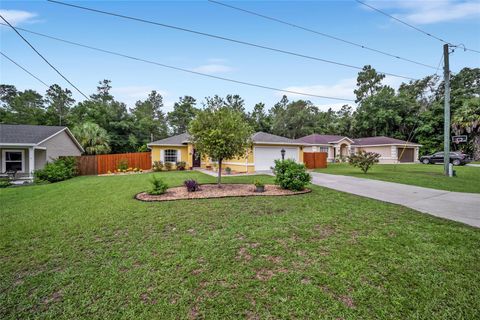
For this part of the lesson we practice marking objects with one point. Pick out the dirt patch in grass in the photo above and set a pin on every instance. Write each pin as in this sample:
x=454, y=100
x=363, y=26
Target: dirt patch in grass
x=213, y=191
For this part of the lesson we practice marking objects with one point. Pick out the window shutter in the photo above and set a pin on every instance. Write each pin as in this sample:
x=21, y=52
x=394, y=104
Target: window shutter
x=179, y=155
x=162, y=155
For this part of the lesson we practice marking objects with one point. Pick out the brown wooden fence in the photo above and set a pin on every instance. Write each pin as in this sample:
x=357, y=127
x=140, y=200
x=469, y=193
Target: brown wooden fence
x=87, y=165
x=102, y=163
x=314, y=160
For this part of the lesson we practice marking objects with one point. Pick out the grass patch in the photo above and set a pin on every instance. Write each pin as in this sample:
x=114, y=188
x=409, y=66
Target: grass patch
x=84, y=248
x=429, y=176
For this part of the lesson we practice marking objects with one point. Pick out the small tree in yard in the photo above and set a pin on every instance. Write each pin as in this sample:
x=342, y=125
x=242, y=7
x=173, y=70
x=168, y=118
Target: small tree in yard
x=363, y=160
x=220, y=133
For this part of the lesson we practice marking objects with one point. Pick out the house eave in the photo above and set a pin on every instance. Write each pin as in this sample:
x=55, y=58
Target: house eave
x=387, y=144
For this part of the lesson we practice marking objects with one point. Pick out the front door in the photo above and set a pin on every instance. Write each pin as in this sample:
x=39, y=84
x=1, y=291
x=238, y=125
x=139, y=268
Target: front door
x=196, y=159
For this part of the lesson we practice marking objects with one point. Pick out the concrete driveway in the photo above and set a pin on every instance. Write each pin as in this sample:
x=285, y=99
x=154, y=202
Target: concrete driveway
x=457, y=206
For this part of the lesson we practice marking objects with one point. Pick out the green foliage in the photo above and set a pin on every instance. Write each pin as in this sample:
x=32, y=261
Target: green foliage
x=4, y=182
x=258, y=183
x=157, y=166
x=92, y=138
x=149, y=119
x=466, y=120
x=59, y=102
x=181, y=165
x=363, y=160
x=220, y=133
x=183, y=112
x=291, y=175
x=61, y=169
x=158, y=186
x=122, y=165
x=228, y=170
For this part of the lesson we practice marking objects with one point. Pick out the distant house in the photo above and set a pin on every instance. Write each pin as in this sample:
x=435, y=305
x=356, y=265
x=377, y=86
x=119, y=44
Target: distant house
x=265, y=150
x=26, y=148
x=391, y=150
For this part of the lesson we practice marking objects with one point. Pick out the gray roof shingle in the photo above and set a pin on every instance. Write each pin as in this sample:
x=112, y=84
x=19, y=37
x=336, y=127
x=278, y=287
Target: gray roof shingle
x=28, y=134
x=370, y=141
x=321, y=138
x=263, y=137
x=258, y=137
x=173, y=140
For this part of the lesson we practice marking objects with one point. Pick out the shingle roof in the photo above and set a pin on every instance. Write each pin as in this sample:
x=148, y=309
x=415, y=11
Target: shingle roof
x=258, y=137
x=380, y=140
x=29, y=134
x=321, y=138
x=263, y=137
x=173, y=140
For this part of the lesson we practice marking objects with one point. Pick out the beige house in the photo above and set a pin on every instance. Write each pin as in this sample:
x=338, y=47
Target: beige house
x=26, y=148
x=391, y=150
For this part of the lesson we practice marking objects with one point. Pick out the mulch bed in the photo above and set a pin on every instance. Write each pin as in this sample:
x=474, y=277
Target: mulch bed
x=213, y=191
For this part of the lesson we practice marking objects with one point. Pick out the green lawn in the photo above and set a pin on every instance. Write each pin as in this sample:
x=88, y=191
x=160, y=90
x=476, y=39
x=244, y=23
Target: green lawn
x=429, y=176
x=85, y=249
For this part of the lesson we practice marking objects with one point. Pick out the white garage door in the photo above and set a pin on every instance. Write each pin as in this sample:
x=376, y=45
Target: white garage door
x=264, y=156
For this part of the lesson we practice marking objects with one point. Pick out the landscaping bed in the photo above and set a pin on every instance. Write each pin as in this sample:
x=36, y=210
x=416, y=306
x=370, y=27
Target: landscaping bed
x=213, y=191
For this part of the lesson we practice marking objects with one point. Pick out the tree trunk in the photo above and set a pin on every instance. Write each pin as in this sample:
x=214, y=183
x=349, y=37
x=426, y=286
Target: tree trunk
x=219, y=179
x=476, y=147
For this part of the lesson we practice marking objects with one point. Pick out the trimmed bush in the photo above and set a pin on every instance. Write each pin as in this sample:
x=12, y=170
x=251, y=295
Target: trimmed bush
x=61, y=169
x=4, y=182
x=363, y=160
x=291, y=175
x=158, y=186
x=181, y=165
x=157, y=166
x=168, y=166
x=191, y=185
x=123, y=165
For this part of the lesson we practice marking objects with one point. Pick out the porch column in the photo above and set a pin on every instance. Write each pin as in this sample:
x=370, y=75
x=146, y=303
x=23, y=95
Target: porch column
x=31, y=161
x=394, y=153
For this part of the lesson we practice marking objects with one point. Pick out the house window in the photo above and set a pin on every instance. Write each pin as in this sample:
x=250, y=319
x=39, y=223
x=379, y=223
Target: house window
x=323, y=149
x=170, y=156
x=12, y=160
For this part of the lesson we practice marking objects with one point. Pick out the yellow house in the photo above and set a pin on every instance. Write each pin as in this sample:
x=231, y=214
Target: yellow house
x=266, y=148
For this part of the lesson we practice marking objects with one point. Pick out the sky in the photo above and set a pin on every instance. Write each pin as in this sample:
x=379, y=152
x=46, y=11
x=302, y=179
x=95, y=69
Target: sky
x=456, y=21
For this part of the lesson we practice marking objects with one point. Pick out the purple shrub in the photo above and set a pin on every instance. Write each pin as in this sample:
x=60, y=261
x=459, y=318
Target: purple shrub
x=191, y=185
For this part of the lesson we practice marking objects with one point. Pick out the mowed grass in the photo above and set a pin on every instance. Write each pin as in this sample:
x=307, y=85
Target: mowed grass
x=429, y=176
x=85, y=249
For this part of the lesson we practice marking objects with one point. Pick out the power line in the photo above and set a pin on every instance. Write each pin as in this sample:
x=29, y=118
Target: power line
x=224, y=38
x=321, y=34
x=412, y=26
x=182, y=69
x=44, y=59
x=18, y=65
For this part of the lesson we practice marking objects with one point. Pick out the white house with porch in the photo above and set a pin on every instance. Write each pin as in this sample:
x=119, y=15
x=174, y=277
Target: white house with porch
x=26, y=148
x=391, y=150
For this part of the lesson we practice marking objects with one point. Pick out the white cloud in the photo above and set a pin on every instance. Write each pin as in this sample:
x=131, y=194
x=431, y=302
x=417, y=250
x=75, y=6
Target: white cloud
x=434, y=11
x=16, y=17
x=213, y=68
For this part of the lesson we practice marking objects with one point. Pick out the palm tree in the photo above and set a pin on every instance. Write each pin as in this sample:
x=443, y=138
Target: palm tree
x=467, y=120
x=93, y=138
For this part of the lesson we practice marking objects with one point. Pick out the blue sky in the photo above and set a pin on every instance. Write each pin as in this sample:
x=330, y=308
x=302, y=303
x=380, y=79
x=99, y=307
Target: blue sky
x=455, y=21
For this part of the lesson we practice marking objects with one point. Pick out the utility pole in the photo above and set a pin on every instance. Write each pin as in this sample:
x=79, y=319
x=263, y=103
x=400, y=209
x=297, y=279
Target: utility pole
x=446, y=112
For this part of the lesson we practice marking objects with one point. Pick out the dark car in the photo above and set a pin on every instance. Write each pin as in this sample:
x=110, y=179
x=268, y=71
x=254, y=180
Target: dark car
x=456, y=158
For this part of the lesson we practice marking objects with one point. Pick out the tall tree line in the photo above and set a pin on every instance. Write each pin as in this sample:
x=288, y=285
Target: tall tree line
x=413, y=112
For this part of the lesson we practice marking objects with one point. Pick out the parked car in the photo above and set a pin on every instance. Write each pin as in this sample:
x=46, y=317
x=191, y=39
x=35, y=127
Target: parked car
x=456, y=158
